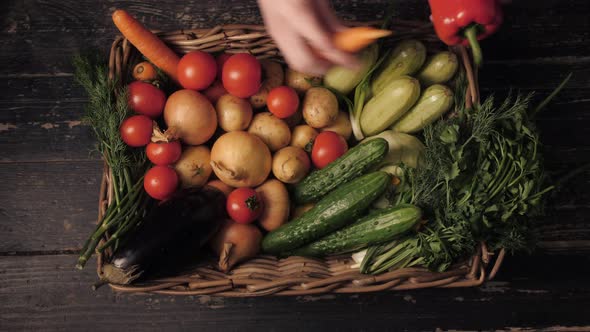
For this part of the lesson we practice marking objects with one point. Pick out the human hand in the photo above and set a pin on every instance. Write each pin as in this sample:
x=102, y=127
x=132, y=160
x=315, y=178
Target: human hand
x=303, y=32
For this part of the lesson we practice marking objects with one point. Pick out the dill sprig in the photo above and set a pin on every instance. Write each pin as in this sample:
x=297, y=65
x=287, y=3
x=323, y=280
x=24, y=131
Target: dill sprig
x=480, y=179
x=106, y=109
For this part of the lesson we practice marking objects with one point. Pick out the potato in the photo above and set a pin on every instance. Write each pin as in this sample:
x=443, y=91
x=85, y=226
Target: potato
x=273, y=76
x=341, y=126
x=299, y=81
x=233, y=113
x=320, y=107
x=193, y=167
x=303, y=137
x=273, y=131
x=290, y=164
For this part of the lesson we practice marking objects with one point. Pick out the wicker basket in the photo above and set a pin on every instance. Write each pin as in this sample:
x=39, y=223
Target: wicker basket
x=266, y=275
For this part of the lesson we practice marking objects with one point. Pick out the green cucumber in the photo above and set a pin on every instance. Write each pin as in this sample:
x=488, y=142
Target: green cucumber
x=331, y=213
x=352, y=164
x=377, y=227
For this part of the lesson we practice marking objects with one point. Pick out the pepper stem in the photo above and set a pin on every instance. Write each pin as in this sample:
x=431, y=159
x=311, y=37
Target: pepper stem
x=471, y=35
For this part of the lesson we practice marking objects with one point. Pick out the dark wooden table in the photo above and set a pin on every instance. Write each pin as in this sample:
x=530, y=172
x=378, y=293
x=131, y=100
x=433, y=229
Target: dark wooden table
x=50, y=179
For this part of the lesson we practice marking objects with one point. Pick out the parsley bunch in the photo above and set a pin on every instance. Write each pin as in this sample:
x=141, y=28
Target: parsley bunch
x=480, y=179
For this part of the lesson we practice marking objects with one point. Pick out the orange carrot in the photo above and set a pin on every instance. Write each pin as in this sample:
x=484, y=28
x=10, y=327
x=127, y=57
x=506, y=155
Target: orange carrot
x=355, y=39
x=146, y=42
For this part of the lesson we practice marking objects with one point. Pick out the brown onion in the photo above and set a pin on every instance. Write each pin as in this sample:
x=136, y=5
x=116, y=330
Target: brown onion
x=240, y=159
x=190, y=117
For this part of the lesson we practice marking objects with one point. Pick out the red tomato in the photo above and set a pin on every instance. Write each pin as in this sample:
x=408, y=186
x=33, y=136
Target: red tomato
x=163, y=153
x=327, y=147
x=196, y=70
x=282, y=101
x=146, y=99
x=136, y=130
x=160, y=182
x=241, y=75
x=221, y=59
x=244, y=205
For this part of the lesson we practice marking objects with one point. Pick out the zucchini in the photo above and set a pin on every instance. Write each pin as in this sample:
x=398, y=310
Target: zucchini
x=343, y=79
x=406, y=59
x=391, y=103
x=439, y=68
x=435, y=101
x=377, y=227
x=350, y=165
x=403, y=148
x=331, y=213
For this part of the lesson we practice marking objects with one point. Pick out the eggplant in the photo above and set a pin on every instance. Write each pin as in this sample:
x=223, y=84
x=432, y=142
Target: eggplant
x=170, y=237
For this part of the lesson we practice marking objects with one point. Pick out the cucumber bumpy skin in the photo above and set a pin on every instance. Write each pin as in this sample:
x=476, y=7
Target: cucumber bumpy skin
x=331, y=213
x=353, y=163
x=378, y=227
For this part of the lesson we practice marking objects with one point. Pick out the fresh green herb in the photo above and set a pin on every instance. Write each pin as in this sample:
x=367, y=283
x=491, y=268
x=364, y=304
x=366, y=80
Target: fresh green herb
x=481, y=179
x=107, y=108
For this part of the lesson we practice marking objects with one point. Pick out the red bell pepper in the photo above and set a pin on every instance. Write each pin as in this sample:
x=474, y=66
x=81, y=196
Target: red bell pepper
x=465, y=22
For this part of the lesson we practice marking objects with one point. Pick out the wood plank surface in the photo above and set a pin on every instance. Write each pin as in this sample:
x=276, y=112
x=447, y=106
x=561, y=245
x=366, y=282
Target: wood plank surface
x=45, y=292
x=48, y=206
x=50, y=181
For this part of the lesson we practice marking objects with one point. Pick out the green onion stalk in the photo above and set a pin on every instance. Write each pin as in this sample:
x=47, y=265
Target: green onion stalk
x=106, y=109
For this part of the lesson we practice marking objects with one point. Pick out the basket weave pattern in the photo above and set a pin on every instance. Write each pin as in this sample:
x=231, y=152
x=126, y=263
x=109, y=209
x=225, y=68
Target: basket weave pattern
x=267, y=275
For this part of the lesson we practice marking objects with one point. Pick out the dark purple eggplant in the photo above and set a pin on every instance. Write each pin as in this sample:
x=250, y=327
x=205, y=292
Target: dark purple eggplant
x=171, y=236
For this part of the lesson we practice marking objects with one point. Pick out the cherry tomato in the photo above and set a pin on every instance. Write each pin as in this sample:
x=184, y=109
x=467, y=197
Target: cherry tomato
x=244, y=205
x=163, y=153
x=196, y=70
x=136, y=130
x=160, y=182
x=144, y=71
x=146, y=99
x=327, y=147
x=221, y=59
x=241, y=75
x=282, y=101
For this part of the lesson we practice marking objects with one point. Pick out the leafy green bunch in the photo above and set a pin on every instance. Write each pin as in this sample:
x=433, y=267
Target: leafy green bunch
x=480, y=179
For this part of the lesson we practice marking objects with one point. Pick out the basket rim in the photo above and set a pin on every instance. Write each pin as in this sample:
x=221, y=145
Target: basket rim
x=309, y=276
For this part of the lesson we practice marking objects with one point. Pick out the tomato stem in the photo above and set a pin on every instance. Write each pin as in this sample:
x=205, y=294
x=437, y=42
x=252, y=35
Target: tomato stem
x=252, y=203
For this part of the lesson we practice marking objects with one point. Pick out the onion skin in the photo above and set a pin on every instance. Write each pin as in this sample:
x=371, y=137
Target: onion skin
x=275, y=197
x=241, y=159
x=235, y=243
x=190, y=117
